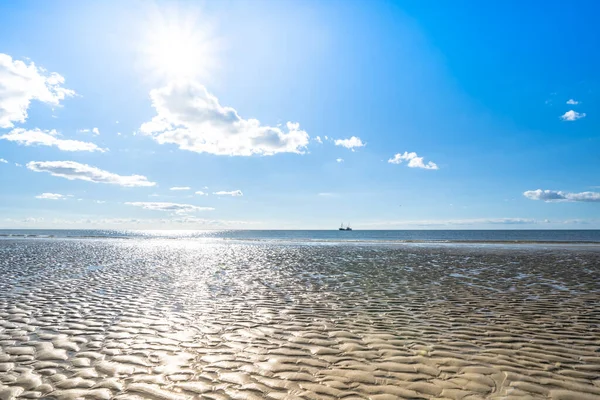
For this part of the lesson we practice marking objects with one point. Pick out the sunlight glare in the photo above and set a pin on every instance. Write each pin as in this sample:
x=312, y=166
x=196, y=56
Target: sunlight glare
x=178, y=48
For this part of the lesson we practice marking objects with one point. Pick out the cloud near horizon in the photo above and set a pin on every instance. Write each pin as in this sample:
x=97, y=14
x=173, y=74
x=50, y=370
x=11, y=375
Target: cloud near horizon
x=190, y=117
x=72, y=170
x=21, y=83
x=176, y=188
x=414, y=161
x=177, y=208
x=560, y=196
x=39, y=137
x=233, y=193
x=51, y=196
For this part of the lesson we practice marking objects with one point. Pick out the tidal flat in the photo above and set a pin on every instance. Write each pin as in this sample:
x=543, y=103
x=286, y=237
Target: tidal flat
x=181, y=319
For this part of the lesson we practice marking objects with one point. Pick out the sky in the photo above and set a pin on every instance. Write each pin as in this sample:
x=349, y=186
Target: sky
x=299, y=114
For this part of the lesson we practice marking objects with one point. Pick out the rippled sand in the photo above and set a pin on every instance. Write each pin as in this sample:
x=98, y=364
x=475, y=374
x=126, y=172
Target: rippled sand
x=102, y=319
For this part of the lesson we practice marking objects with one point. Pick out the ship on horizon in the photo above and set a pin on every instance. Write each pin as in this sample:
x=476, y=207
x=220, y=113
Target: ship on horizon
x=347, y=228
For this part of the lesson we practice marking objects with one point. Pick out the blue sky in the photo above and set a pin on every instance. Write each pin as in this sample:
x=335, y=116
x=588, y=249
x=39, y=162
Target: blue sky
x=299, y=114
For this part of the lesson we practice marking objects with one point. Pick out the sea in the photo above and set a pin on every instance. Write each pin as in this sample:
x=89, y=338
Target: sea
x=357, y=236
x=234, y=314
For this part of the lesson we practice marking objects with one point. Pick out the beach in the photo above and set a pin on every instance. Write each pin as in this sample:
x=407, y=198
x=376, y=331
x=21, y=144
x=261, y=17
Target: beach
x=100, y=318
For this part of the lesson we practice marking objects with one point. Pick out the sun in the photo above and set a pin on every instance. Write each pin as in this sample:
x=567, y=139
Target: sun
x=178, y=47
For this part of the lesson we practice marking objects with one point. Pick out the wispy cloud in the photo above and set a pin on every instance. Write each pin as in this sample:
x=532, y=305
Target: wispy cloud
x=572, y=102
x=21, y=83
x=51, y=196
x=171, y=207
x=3, y=161
x=201, y=193
x=75, y=171
x=318, y=140
x=95, y=131
x=327, y=194
x=48, y=138
x=572, y=116
x=188, y=116
x=234, y=193
x=180, y=188
x=457, y=222
x=414, y=161
x=560, y=196
x=350, y=143
x=339, y=160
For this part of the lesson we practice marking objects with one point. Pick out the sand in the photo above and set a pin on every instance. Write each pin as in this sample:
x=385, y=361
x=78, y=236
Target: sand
x=175, y=320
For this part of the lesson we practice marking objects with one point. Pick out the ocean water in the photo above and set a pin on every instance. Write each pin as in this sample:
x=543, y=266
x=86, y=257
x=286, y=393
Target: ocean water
x=400, y=236
x=262, y=315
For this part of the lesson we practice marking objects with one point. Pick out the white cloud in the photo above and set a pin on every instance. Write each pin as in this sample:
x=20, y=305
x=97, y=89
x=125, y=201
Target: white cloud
x=572, y=102
x=340, y=160
x=193, y=119
x=171, y=207
x=73, y=170
x=457, y=222
x=572, y=116
x=48, y=138
x=2, y=160
x=83, y=131
x=20, y=83
x=180, y=188
x=326, y=194
x=95, y=131
x=318, y=140
x=351, y=143
x=560, y=196
x=201, y=193
x=234, y=193
x=414, y=161
x=18, y=165
x=51, y=196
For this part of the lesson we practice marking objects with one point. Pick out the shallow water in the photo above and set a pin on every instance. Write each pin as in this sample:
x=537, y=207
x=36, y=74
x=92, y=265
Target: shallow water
x=164, y=319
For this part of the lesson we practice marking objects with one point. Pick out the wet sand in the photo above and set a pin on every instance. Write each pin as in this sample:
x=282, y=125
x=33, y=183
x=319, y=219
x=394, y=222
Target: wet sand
x=171, y=320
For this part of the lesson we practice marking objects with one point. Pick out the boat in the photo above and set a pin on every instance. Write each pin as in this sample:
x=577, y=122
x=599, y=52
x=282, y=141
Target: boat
x=347, y=228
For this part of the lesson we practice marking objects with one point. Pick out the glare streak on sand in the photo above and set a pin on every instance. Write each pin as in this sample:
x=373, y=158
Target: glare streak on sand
x=175, y=320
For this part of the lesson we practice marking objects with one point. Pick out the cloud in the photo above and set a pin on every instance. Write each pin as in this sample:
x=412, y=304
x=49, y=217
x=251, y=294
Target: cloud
x=83, y=131
x=73, y=170
x=20, y=83
x=572, y=102
x=560, y=196
x=234, y=193
x=458, y=222
x=171, y=207
x=95, y=131
x=2, y=160
x=48, y=138
x=572, y=116
x=180, y=188
x=51, y=196
x=351, y=143
x=318, y=140
x=414, y=161
x=340, y=160
x=201, y=193
x=326, y=194
x=193, y=119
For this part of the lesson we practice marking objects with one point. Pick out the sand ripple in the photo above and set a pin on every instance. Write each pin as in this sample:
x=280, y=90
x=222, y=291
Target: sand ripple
x=175, y=320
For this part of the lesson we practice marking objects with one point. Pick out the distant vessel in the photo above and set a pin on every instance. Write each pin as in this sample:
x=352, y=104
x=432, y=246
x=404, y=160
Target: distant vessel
x=347, y=228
